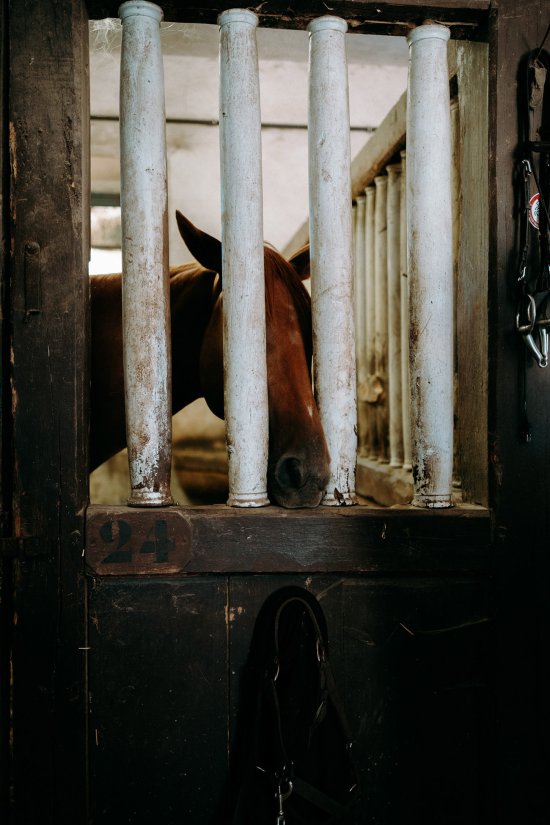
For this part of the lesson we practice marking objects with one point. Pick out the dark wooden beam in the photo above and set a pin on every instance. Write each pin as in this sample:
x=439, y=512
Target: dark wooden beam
x=467, y=18
x=218, y=539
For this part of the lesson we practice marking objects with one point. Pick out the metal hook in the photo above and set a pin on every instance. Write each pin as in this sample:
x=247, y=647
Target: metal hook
x=526, y=318
x=530, y=315
x=543, y=340
x=543, y=323
x=534, y=350
x=281, y=796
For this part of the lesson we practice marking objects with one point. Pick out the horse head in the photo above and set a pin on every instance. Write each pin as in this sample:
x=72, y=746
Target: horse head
x=298, y=460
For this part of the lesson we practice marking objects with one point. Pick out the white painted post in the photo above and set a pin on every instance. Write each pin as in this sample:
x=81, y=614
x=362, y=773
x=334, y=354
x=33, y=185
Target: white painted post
x=244, y=342
x=394, y=317
x=354, y=247
x=145, y=290
x=405, y=385
x=331, y=252
x=354, y=237
x=360, y=324
x=430, y=265
x=381, y=310
x=370, y=193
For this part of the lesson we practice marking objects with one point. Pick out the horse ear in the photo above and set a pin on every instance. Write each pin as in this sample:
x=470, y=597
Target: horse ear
x=203, y=247
x=300, y=262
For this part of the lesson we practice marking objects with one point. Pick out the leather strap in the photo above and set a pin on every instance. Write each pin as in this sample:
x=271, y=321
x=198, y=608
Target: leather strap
x=284, y=775
x=533, y=281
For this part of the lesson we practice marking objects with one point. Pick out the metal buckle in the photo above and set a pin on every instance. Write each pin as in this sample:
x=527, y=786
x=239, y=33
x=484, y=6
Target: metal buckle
x=320, y=651
x=527, y=318
x=281, y=796
x=542, y=324
x=529, y=312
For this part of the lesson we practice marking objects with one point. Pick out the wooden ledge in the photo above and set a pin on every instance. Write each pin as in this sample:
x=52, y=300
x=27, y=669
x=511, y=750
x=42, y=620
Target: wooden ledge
x=219, y=539
x=467, y=18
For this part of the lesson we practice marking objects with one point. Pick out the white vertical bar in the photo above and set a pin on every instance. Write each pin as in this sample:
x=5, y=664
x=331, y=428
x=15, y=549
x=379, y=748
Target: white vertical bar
x=354, y=232
x=360, y=324
x=244, y=342
x=394, y=317
x=405, y=385
x=381, y=310
x=429, y=234
x=331, y=252
x=370, y=193
x=145, y=291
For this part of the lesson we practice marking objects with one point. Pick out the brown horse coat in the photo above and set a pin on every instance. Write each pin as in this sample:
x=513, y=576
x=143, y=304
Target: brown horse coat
x=298, y=459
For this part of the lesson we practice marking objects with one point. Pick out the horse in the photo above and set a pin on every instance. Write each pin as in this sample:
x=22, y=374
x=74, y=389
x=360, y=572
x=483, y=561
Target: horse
x=298, y=460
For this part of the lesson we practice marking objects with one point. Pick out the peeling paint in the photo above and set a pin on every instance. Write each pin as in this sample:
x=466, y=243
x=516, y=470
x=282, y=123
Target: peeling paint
x=332, y=253
x=147, y=368
x=13, y=167
x=13, y=150
x=244, y=337
x=430, y=267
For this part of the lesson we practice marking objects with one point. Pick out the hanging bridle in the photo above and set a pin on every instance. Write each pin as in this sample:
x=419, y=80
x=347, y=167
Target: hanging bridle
x=283, y=776
x=533, y=277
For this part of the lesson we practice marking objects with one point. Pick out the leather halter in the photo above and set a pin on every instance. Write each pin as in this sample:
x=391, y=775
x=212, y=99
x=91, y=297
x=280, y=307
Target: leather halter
x=284, y=778
x=533, y=170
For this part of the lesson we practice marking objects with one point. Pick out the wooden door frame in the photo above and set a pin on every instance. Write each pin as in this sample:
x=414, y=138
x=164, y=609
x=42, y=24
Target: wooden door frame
x=48, y=217
x=6, y=584
x=46, y=270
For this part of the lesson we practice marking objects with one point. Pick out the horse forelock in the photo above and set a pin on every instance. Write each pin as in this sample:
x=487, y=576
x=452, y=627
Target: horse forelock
x=186, y=271
x=187, y=278
x=277, y=268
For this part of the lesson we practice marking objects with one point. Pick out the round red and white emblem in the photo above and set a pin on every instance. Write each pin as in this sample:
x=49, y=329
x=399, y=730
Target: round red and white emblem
x=534, y=204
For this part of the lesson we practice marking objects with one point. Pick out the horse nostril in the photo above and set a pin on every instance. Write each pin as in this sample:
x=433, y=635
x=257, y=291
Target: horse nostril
x=289, y=473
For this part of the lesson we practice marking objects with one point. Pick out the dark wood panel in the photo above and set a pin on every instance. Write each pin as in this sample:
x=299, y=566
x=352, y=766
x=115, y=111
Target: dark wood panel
x=353, y=539
x=48, y=95
x=471, y=275
x=412, y=660
x=519, y=471
x=5, y=427
x=167, y=659
x=467, y=18
x=419, y=688
x=158, y=701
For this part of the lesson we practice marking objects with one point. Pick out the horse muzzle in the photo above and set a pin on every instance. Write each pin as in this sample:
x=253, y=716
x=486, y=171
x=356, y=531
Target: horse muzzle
x=297, y=481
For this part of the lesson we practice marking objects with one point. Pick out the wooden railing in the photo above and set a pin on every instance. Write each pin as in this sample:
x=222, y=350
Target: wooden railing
x=379, y=187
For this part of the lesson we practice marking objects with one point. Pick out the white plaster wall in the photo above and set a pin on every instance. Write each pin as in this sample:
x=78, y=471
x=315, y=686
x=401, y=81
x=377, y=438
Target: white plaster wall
x=377, y=77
